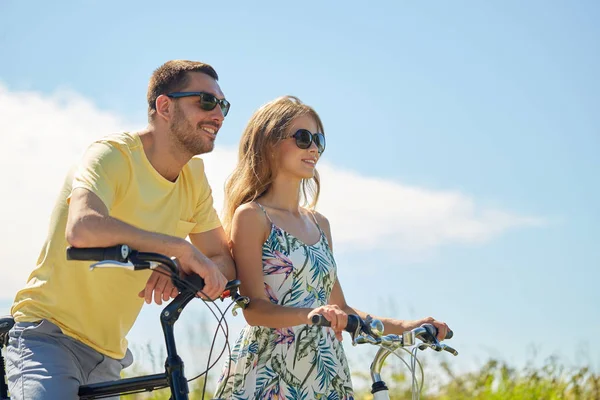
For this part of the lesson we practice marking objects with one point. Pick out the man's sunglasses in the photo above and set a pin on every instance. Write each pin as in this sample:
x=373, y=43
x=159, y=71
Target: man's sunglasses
x=304, y=139
x=208, y=101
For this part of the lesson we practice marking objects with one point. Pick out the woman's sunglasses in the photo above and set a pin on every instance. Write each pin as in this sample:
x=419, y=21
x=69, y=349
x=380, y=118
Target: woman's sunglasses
x=208, y=101
x=304, y=139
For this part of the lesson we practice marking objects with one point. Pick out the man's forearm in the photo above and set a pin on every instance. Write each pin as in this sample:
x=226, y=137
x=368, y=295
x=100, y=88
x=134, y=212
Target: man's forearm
x=103, y=231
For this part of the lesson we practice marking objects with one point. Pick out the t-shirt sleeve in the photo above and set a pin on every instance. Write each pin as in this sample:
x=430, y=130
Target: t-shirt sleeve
x=104, y=171
x=205, y=215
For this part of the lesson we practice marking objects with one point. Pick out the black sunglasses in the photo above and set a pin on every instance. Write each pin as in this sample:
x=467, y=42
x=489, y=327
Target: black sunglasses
x=208, y=101
x=304, y=139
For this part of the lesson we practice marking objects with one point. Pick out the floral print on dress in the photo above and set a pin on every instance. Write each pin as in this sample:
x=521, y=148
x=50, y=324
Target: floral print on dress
x=298, y=362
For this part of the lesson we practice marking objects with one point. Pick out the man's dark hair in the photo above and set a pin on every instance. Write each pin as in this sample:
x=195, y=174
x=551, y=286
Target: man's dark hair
x=173, y=76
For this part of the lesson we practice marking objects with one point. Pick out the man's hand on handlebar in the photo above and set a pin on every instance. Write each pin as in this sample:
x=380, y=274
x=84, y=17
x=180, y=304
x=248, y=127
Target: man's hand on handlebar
x=160, y=287
x=194, y=262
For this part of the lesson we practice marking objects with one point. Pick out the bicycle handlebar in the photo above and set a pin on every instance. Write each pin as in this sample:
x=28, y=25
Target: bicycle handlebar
x=123, y=256
x=355, y=321
x=371, y=331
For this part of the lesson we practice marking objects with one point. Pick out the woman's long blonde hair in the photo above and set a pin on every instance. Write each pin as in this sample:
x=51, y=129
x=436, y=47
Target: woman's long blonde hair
x=253, y=174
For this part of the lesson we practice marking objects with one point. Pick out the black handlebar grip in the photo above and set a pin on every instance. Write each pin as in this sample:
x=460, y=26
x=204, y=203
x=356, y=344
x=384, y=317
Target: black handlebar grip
x=353, y=322
x=231, y=285
x=433, y=330
x=118, y=253
x=196, y=281
x=319, y=320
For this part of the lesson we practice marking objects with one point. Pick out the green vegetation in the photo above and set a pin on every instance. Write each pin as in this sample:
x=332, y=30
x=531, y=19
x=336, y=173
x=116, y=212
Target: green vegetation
x=495, y=380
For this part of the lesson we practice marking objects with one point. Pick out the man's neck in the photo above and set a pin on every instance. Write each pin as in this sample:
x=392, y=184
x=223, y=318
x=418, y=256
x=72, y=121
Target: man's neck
x=162, y=153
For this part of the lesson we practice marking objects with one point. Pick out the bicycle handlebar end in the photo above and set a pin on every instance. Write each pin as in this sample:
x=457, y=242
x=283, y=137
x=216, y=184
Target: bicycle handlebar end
x=319, y=320
x=119, y=253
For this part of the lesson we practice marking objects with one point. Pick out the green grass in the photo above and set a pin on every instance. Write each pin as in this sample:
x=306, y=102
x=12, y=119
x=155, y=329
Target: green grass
x=497, y=380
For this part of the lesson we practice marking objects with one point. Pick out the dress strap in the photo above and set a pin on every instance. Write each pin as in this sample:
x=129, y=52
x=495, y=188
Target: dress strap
x=265, y=211
x=315, y=219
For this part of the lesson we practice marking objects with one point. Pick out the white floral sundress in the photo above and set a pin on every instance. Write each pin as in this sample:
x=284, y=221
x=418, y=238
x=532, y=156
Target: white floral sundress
x=297, y=362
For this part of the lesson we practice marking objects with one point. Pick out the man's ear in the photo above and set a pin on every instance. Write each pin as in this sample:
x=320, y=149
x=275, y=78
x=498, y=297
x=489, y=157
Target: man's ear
x=163, y=104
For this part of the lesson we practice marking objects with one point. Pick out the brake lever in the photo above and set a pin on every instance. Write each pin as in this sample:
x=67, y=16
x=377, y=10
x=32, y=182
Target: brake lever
x=427, y=335
x=362, y=339
x=112, y=264
x=449, y=349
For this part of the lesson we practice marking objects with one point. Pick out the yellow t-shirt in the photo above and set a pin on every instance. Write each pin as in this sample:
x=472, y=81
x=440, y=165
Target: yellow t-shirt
x=99, y=307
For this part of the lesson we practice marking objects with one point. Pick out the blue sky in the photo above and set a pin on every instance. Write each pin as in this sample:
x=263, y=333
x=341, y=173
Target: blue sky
x=484, y=109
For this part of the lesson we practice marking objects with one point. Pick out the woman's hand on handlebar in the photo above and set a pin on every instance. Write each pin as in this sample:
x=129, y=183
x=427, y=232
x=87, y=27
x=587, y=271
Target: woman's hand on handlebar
x=442, y=327
x=335, y=315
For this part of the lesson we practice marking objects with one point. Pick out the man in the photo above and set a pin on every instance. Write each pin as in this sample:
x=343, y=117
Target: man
x=143, y=189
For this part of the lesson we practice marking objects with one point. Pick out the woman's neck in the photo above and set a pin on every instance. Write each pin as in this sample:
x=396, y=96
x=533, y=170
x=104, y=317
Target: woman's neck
x=284, y=194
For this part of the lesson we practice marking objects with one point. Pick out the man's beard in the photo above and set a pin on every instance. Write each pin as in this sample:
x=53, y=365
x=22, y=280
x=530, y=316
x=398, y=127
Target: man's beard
x=189, y=139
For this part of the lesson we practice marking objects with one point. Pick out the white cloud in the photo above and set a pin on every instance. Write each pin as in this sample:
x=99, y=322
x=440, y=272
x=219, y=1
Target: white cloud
x=368, y=213
x=43, y=135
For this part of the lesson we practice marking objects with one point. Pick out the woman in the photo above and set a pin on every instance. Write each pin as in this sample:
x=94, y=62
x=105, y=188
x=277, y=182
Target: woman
x=284, y=259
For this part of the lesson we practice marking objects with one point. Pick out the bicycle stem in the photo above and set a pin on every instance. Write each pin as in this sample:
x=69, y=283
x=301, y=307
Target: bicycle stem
x=174, y=364
x=377, y=364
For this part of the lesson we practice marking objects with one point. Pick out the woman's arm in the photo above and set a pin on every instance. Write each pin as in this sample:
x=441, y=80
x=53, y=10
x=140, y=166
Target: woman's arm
x=249, y=230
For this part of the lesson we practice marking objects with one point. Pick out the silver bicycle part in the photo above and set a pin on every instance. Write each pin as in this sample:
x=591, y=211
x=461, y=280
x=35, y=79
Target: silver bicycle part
x=112, y=264
x=408, y=338
x=116, y=264
x=392, y=344
x=377, y=365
